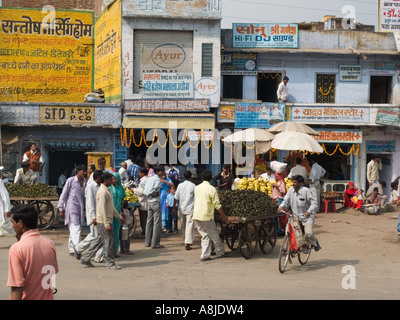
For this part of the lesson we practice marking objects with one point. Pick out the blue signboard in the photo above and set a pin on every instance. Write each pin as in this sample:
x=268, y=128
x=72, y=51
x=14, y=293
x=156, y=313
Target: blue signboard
x=258, y=115
x=379, y=146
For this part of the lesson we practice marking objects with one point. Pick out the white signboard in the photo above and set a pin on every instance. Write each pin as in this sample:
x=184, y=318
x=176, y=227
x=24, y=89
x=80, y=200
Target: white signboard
x=168, y=85
x=318, y=114
x=349, y=73
x=389, y=15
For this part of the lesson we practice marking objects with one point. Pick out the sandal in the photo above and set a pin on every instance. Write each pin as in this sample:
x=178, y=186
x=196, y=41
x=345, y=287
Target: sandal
x=129, y=252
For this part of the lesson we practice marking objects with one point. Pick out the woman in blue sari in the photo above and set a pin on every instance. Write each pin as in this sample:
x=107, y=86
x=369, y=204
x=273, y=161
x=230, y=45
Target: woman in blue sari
x=118, y=193
x=165, y=184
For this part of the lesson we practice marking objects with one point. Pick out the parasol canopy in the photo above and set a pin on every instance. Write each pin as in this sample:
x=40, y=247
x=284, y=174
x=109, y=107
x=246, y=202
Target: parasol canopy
x=292, y=126
x=291, y=140
x=261, y=137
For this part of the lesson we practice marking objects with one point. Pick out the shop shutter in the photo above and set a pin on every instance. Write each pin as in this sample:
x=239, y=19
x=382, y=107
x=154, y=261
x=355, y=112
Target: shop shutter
x=161, y=51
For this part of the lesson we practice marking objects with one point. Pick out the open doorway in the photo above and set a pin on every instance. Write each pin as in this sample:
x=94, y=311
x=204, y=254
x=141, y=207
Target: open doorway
x=64, y=160
x=267, y=85
x=380, y=89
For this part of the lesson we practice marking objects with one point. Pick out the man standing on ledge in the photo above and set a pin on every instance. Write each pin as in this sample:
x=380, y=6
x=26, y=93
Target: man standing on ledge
x=205, y=202
x=282, y=91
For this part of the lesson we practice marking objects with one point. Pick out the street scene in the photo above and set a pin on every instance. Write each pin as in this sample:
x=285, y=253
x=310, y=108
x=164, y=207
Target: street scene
x=200, y=150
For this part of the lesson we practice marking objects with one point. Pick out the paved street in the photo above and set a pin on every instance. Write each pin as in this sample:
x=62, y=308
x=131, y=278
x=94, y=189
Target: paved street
x=369, y=244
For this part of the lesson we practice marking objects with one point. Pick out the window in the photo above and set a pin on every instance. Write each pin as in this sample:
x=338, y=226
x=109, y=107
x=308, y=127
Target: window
x=380, y=89
x=267, y=85
x=326, y=88
x=206, y=60
x=232, y=87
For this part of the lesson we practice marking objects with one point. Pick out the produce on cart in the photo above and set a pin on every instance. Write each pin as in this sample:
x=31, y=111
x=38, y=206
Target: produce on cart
x=252, y=214
x=38, y=195
x=260, y=184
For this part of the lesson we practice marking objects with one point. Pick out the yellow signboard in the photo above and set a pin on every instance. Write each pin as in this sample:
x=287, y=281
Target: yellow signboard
x=108, y=52
x=45, y=57
x=55, y=114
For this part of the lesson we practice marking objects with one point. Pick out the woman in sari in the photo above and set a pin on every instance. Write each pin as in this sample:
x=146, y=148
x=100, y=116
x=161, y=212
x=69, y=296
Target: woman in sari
x=165, y=184
x=349, y=197
x=118, y=193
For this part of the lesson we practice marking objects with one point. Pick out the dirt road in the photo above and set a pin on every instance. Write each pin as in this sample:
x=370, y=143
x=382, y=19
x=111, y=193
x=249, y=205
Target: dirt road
x=359, y=259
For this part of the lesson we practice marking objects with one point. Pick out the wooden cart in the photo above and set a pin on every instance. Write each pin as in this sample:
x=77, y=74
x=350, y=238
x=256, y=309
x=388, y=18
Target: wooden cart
x=44, y=206
x=246, y=234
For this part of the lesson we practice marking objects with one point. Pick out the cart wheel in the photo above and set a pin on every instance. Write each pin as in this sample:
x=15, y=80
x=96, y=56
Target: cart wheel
x=231, y=235
x=221, y=229
x=132, y=229
x=46, y=214
x=248, y=240
x=267, y=235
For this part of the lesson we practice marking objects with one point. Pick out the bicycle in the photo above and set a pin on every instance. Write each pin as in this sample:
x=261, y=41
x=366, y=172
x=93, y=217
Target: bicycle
x=287, y=250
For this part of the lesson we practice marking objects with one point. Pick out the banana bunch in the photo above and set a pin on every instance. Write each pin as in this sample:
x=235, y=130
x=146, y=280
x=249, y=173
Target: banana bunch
x=242, y=184
x=130, y=196
x=288, y=183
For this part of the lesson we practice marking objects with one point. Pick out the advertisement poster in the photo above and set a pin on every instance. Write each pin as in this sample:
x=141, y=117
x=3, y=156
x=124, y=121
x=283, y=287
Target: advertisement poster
x=45, y=57
x=389, y=16
x=107, y=55
x=265, y=35
x=258, y=115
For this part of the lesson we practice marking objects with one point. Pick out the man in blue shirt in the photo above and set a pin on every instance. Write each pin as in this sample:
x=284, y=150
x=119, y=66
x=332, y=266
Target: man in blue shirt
x=133, y=171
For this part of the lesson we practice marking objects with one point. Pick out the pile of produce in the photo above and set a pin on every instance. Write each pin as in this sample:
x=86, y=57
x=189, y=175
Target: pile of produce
x=246, y=203
x=40, y=190
x=331, y=194
x=260, y=185
x=130, y=196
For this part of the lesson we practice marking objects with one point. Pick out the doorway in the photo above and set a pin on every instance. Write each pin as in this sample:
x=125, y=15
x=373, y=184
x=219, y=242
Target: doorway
x=380, y=89
x=386, y=173
x=267, y=85
x=64, y=160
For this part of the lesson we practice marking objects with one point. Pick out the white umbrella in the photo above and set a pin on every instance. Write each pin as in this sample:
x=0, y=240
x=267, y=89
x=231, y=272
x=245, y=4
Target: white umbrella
x=292, y=126
x=291, y=140
x=261, y=137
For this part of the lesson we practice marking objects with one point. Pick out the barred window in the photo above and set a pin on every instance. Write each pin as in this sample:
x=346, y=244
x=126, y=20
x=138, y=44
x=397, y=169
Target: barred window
x=326, y=88
x=207, y=60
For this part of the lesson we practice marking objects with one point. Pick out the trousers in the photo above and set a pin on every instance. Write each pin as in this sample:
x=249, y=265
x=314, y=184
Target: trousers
x=153, y=224
x=209, y=234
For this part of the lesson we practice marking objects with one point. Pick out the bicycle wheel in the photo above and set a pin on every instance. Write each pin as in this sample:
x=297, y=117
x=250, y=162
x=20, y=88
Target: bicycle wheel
x=284, y=254
x=304, y=253
x=267, y=236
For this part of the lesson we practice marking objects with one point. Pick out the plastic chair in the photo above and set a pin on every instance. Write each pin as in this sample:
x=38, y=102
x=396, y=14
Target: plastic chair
x=331, y=202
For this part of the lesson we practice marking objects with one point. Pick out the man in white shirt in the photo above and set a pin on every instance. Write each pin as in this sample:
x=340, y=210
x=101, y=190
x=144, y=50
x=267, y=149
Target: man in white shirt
x=268, y=175
x=143, y=206
x=373, y=168
x=123, y=172
x=93, y=236
x=25, y=175
x=184, y=200
x=282, y=91
x=62, y=179
x=316, y=173
x=298, y=169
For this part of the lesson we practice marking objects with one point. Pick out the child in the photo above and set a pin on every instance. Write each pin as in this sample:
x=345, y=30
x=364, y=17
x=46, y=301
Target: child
x=375, y=199
x=172, y=222
x=357, y=199
x=124, y=230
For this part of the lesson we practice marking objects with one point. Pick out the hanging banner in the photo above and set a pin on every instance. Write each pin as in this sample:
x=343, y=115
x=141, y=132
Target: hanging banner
x=45, y=57
x=258, y=115
x=265, y=35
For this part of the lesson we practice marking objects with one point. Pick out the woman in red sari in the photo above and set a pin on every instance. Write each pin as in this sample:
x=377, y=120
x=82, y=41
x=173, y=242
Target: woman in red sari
x=349, y=194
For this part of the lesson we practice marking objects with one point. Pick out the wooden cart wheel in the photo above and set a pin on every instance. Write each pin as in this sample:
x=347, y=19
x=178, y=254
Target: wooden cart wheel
x=231, y=236
x=46, y=214
x=267, y=235
x=248, y=240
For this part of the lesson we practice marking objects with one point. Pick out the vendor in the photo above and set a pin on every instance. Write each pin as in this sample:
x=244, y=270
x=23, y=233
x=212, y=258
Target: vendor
x=225, y=177
x=351, y=197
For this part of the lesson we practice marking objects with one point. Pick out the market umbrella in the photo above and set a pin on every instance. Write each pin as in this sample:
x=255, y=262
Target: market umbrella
x=292, y=126
x=291, y=140
x=261, y=137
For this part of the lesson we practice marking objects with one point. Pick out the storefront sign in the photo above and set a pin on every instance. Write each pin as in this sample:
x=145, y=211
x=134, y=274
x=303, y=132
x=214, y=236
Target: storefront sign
x=388, y=116
x=378, y=146
x=389, y=15
x=207, y=87
x=350, y=73
x=67, y=115
x=239, y=63
x=107, y=57
x=265, y=35
x=330, y=114
x=258, y=115
x=338, y=136
x=70, y=144
x=45, y=62
x=168, y=85
x=226, y=114
x=167, y=105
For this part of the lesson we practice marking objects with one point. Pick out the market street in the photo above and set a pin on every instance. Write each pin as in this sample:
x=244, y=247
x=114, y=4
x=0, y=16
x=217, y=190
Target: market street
x=366, y=245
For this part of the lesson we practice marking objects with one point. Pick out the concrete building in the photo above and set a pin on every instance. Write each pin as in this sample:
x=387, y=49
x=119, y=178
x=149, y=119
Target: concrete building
x=343, y=81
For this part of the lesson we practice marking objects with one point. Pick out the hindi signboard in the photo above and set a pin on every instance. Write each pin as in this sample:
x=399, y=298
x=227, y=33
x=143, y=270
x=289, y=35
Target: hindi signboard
x=265, y=35
x=389, y=16
x=350, y=73
x=388, y=116
x=45, y=62
x=258, y=115
x=160, y=105
x=168, y=85
x=335, y=114
x=239, y=63
x=338, y=136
